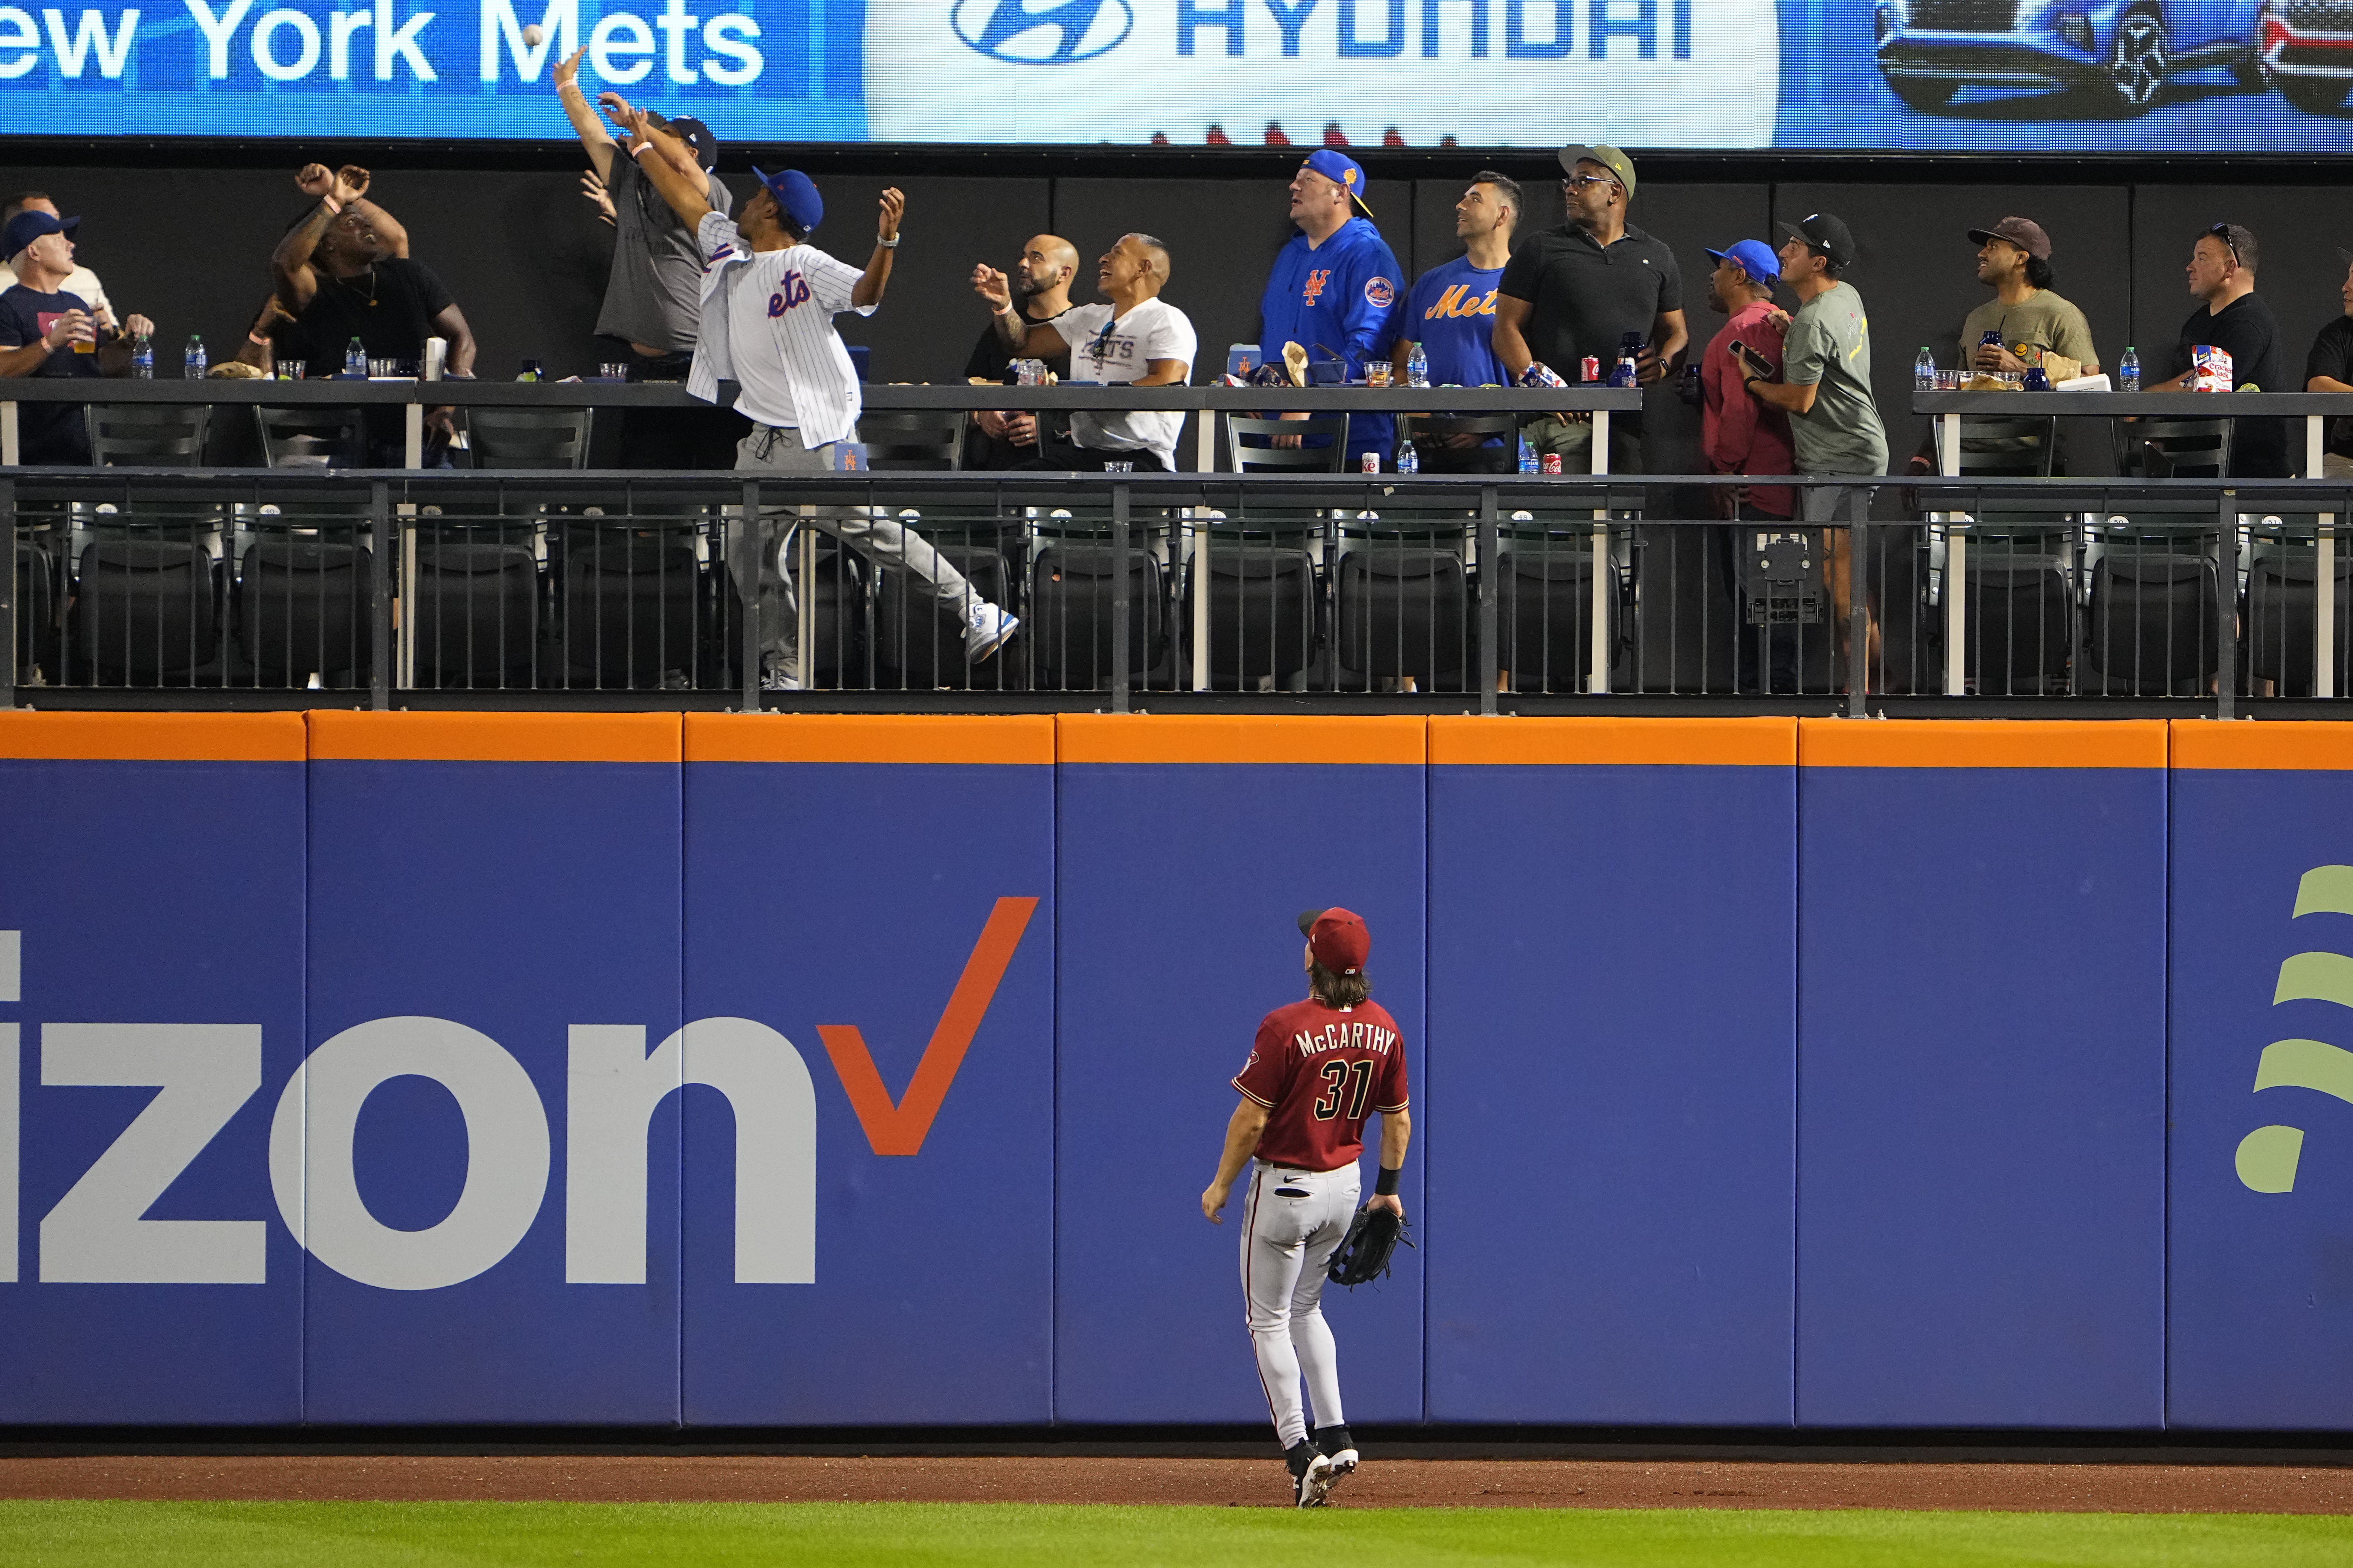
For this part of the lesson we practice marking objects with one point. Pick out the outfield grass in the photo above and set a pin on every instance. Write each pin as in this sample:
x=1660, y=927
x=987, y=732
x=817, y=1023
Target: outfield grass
x=578, y=1535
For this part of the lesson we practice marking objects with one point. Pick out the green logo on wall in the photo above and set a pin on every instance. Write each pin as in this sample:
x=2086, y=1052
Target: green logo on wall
x=2267, y=1157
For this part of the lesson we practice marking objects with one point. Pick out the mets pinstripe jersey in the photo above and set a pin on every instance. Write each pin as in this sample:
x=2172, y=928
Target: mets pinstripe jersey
x=767, y=323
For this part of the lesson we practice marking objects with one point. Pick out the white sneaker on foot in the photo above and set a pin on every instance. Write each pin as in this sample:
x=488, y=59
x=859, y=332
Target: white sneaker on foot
x=987, y=628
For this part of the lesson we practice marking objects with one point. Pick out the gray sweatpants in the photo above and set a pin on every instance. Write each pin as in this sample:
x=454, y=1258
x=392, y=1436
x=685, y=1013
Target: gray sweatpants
x=866, y=529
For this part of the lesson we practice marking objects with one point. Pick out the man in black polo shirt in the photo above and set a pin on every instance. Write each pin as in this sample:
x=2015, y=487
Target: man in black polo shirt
x=336, y=274
x=1041, y=291
x=2222, y=273
x=2329, y=368
x=1579, y=290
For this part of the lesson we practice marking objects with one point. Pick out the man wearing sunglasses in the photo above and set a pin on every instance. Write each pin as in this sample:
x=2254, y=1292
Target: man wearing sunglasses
x=2232, y=317
x=1580, y=291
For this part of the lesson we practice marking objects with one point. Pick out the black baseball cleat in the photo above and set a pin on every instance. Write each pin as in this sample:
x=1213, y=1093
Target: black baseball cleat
x=1311, y=1474
x=1340, y=1448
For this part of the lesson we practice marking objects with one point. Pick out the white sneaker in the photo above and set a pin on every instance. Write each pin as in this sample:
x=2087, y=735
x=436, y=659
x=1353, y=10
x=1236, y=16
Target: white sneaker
x=986, y=629
x=773, y=679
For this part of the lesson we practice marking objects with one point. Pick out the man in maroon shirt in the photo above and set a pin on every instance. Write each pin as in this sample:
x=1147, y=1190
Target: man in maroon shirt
x=1741, y=434
x=1316, y=1070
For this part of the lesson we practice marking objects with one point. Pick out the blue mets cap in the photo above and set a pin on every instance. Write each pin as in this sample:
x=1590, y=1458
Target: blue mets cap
x=797, y=197
x=1755, y=258
x=29, y=225
x=1342, y=171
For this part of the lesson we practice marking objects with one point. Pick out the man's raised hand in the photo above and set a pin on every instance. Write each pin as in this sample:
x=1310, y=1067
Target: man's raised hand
x=621, y=112
x=314, y=180
x=567, y=71
x=894, y=207
x=353, y=180
x=991, y=284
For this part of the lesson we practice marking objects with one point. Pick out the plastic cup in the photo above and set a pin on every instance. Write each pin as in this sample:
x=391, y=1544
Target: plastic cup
x=291, y=369
x=1376, y=372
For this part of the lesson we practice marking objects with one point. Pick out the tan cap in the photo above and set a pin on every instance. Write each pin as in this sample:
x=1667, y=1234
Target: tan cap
x=1608, y=157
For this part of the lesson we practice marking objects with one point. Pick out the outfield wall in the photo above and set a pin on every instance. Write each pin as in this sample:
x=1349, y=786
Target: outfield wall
x=727, y=1070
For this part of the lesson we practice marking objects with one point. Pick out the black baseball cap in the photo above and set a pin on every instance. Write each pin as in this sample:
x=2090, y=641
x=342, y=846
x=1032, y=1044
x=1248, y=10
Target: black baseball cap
x=696, y=133
x=1826, y=234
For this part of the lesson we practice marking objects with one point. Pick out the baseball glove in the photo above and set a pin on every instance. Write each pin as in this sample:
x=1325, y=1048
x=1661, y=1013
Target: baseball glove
x=1364, y=1253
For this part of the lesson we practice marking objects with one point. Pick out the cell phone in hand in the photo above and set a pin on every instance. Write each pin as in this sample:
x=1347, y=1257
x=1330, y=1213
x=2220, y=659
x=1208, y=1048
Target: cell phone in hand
x=1755, y=363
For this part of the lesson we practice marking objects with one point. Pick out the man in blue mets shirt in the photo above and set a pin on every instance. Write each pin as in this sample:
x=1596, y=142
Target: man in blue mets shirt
x=1334, y=290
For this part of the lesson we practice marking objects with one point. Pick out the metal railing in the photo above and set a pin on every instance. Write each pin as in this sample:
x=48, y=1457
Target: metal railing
x=1481, y=592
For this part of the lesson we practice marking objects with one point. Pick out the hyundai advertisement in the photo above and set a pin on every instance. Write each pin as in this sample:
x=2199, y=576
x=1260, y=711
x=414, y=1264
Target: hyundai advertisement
x=2061, y=76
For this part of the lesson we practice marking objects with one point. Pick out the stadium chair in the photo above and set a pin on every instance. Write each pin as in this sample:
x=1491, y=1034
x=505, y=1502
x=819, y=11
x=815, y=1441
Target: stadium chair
x=1789, y=638
x=1263, y=610
x=2020, y=627
x=1687, y=627
x=303, y=610
x=631, y=604
x=1544, y=614
x=1402, y=611
x=146, y=612
x=2152, y=615
x=528, y=438
x=37, y=611
x=916, y=440
x=148, y=435
x=311, y=437
x=1250, y=447
x=1070, y=599
x=2280, y=612
x=476, y=613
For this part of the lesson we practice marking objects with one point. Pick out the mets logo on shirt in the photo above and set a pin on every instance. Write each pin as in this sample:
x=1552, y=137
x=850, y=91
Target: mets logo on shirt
x=791, y=289
x=1379, y=293
x=1316, y=282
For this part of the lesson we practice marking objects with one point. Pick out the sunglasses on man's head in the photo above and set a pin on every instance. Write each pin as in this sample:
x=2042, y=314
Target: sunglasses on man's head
x=2221, y=231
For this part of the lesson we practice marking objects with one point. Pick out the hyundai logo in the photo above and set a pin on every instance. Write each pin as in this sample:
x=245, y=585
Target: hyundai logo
x=1049, y=34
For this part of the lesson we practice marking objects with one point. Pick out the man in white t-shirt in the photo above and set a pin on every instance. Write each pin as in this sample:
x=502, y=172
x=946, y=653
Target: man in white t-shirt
x=1136, y=339
x=768, y=307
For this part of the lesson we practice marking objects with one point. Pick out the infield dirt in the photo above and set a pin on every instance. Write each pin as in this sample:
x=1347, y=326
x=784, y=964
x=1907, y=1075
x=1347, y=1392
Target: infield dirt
x=1430, y=1483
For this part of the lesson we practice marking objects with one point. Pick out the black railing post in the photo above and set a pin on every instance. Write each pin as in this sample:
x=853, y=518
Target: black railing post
x=1857, y=605
x=1120, y=675
x=380, y=596
x=1489, y=655
x=2226, y=606
x=744, y=568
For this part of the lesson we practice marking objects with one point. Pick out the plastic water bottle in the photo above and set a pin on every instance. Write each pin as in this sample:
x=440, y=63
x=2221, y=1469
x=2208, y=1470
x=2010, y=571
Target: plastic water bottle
x=1528, y=457
x=2128, y=372
x=143, y=358
x=355, y=358
x=1417, y=367
x=1924, y=371
x=1408, y=461
x=194, y=368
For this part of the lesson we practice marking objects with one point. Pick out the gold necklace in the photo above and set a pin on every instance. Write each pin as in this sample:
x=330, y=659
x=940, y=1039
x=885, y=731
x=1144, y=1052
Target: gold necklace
x=354, y=288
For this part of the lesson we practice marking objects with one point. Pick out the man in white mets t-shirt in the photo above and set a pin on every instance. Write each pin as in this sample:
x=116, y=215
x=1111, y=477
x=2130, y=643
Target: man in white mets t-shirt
x=1136, y=339
x=769, y=297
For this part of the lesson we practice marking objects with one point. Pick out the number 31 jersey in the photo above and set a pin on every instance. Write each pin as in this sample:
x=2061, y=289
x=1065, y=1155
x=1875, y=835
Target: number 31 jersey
x=1320, y=1072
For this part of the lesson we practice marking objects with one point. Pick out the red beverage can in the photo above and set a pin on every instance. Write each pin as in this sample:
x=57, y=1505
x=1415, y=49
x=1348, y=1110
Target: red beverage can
x=1370, y=462
x=1589, y=368
x=1552, y=462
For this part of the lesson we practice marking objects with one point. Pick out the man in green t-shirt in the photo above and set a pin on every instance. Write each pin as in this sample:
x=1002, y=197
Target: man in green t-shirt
x=2014, y=257
x=1825, y=387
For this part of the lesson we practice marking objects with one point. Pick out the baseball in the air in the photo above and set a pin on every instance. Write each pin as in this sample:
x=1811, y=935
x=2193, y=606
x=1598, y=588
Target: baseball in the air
x=533, y=35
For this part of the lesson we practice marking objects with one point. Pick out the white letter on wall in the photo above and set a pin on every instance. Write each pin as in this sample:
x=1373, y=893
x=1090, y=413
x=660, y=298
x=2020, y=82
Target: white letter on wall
x=506, y=1154
x=615, y=1086
x=95, y=1234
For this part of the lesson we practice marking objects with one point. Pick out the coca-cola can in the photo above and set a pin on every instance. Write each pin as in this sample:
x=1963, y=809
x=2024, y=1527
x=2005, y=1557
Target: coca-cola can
x=1552, y=462
x=1370, y=463
x=1590, y=368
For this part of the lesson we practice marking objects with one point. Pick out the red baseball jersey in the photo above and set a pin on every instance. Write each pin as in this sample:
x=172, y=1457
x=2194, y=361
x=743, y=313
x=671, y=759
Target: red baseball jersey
x=1320, y=1072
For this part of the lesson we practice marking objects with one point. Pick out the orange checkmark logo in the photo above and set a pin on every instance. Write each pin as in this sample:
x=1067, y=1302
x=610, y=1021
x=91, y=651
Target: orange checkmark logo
x=900, y=1128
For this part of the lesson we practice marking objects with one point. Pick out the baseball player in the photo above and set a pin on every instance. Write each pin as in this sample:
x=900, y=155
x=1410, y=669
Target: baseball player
x=768, y=302
x=1316, y=1070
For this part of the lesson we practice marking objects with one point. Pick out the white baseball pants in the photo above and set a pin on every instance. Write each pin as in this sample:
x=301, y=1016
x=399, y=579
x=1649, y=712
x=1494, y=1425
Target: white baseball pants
x=1290, y=1224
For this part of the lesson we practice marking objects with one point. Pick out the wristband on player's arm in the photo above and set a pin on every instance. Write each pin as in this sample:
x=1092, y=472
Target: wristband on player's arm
x=1384, y=1185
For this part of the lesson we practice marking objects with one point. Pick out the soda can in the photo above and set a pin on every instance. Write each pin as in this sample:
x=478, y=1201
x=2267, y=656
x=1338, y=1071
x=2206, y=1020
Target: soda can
x=1552, y=462
x=1589, y=369
x=1370, y=462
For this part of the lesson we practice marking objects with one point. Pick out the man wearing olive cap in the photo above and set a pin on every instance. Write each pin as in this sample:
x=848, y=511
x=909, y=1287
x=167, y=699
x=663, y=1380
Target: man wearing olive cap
x=1581, y=289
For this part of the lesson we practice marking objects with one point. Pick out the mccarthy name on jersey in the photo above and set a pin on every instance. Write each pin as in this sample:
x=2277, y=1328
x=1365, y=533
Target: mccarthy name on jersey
x=1356, y=1035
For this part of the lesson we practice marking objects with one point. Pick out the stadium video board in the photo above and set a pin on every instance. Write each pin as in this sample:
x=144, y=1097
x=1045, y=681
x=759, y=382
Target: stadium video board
x=2020, y=76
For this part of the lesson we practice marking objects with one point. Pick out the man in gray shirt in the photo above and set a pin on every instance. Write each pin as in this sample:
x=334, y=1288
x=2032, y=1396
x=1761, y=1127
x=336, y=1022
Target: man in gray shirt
x=1825, y=386
x=653, y=298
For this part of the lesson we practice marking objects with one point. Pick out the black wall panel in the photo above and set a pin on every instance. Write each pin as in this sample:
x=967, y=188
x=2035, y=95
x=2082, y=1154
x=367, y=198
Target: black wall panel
x=930, y=318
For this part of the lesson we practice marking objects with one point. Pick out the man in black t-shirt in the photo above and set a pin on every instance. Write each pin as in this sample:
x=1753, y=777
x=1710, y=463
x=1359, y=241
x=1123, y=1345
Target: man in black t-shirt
x=45, y=332
x=1041, y=282
x=333, y=271
x=2329, y=368
x=2231, y=317
x=1580, y=290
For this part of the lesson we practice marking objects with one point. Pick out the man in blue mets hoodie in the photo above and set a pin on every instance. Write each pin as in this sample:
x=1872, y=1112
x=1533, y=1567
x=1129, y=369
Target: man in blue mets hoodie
x=1335, y=288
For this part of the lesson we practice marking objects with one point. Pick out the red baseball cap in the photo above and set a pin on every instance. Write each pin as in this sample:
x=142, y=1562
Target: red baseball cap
x=1337, y=938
